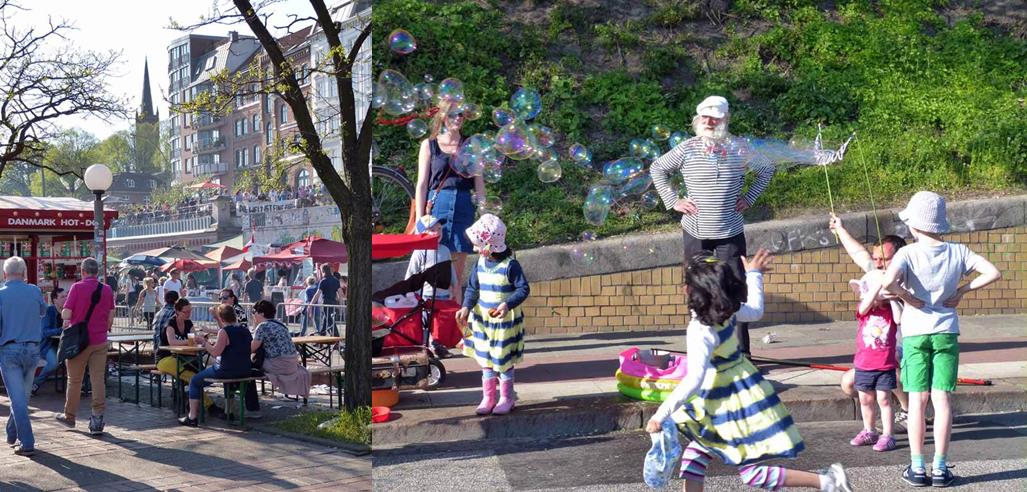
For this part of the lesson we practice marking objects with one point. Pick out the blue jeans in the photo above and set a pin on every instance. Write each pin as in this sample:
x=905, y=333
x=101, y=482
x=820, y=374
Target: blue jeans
x=51, y=365
x=458, y=209
x=199, y=381
x=18, y=368
x=306, y=319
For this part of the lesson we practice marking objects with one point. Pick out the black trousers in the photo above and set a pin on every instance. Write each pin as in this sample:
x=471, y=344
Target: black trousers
x=731, y=250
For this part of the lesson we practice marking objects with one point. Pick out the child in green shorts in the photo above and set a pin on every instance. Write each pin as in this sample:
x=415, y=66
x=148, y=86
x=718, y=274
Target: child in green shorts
x=931, y=269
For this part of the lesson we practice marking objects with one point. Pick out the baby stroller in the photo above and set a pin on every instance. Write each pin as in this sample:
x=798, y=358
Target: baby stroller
x=402, y=356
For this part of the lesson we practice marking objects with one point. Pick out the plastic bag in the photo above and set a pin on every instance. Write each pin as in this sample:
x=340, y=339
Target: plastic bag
x=662, y=456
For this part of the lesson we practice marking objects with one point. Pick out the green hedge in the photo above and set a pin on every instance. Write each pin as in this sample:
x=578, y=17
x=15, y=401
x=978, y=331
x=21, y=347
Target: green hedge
x=935, y=106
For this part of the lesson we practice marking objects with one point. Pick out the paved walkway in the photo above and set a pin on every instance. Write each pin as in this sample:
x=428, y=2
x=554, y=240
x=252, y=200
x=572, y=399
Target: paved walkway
x=144, y=448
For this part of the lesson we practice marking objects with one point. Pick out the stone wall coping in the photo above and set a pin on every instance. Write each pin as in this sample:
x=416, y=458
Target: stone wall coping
x=645, y=251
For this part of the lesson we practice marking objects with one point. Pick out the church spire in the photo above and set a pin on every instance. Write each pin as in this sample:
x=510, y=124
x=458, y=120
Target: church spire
x=146, y=109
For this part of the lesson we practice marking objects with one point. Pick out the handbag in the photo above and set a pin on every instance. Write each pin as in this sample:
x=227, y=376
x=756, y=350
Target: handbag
x=662, y=456
x=431, y=203
x=75, y=339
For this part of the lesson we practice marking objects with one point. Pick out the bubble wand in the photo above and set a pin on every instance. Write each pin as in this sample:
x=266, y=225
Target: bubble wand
x=873, y=205
x=823, y=158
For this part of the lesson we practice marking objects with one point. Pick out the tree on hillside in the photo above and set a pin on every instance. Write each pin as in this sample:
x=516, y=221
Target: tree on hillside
x=350, y=189
x=45, y=78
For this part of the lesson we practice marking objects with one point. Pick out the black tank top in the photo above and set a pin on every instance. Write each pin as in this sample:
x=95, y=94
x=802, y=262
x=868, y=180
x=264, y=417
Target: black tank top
x=439, y=161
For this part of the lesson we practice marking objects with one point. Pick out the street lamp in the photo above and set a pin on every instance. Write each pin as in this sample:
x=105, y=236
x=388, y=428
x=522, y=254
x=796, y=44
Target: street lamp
x=98, y=179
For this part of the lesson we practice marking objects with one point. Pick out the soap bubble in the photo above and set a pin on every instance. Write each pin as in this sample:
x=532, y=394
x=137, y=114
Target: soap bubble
x=428, y=78
x=515, y=141
x=492, y=173
x=526, y=103
x=402, y=42
x=651, y=150
x=379, y=96
x=636, y=185
x=400, y=95
x=451, y=90
x=491, y=205
x=543, y=134
x=417, y=128
x=425, y=91
x=677, y=137
x=621, y=170
x=650, y=199
x=549, y=171
x=502, y=117
x=472, y=111
x=597, y=204
x=582, y=255
x=588, y=236
x=636, y=148
x=659, y=133
x=580, y=154
x=470, y=159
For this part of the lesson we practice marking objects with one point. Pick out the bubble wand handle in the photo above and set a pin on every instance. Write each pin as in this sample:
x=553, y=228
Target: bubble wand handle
x=830, y=197
x=870, y=192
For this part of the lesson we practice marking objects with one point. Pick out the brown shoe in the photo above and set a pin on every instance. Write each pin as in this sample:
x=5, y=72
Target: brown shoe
x=64, y=420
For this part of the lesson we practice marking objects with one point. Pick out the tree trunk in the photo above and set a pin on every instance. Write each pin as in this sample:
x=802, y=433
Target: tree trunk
x=356, y=233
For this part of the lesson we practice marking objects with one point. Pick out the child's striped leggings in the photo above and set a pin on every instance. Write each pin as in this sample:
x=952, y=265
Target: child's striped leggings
x=695, y=459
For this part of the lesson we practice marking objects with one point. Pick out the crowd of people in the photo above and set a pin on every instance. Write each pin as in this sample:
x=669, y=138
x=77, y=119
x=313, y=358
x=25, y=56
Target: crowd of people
x=139, y=214
x=298, y=197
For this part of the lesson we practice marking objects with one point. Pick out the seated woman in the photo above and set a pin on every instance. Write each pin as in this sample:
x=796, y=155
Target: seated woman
x=176, y=333
x=52, y=326
x=228, y=298
x=281, y=361
x=232, y=352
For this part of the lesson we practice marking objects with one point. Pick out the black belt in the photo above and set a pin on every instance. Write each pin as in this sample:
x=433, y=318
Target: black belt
x=15, y=341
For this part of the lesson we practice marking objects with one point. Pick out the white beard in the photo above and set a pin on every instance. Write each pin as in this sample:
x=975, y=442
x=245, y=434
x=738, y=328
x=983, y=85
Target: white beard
x=718, y=133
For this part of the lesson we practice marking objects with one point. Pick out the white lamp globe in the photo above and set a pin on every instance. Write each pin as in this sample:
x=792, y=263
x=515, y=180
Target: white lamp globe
x=98, y=177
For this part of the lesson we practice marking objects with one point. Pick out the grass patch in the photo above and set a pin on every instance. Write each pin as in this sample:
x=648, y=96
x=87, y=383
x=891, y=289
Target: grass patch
x=349, y=427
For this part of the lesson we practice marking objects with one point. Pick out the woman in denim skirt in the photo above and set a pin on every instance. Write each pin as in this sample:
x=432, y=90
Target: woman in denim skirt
x=449, y=192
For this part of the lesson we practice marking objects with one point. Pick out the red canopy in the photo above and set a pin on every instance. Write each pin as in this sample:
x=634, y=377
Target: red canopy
x=318, y=249
x=395, y=245
x=187, y=265
x=239, y=265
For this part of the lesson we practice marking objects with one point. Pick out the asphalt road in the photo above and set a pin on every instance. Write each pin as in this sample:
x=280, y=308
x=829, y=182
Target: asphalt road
x=989, y=453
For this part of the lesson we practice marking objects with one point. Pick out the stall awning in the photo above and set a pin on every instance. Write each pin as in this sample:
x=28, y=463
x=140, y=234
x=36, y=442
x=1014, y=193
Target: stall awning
x=49, y=213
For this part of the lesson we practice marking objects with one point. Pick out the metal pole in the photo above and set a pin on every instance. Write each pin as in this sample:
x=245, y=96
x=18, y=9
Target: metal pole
x=98, y=252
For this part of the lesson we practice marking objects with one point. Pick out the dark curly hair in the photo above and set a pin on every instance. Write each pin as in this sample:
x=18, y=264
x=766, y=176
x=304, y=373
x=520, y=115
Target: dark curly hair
x=715, y=293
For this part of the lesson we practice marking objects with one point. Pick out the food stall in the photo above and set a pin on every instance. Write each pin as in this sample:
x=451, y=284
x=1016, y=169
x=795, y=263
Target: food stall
x=52, y=235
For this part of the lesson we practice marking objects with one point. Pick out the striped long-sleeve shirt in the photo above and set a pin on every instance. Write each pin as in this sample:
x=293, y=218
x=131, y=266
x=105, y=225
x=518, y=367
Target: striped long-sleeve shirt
x=713, y=175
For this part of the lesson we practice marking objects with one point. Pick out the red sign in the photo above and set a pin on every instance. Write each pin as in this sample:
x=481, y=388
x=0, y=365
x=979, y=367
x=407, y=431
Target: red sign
x=41, y=220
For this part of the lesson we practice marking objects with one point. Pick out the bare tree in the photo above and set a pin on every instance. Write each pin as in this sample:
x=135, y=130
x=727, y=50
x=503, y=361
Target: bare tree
x=45, y=78
x=350, y=189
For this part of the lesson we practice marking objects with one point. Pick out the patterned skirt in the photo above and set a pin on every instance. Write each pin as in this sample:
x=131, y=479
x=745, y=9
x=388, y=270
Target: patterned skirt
x=737, y=416
x=496, y=343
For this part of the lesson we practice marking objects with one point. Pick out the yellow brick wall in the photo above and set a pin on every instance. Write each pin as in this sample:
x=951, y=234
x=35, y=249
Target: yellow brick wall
x=807, y=286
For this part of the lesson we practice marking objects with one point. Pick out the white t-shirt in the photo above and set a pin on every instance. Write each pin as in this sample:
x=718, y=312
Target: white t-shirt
x=172, y=284
x=932, y=274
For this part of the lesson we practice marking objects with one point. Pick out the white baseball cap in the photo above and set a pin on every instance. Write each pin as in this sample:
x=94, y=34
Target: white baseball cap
x=713, y=106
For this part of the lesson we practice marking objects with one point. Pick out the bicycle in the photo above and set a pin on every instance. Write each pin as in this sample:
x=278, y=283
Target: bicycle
x=391, y=195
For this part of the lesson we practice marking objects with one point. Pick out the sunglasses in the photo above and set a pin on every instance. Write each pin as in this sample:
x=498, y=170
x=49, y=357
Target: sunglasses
x=225, y=298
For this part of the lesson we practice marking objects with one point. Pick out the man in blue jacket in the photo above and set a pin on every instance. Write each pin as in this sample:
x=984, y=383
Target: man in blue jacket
x=21, y=307
x=52, y=325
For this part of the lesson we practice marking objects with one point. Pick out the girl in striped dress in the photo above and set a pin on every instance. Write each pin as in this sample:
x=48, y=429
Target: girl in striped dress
x=495, y=290
x=723, y=404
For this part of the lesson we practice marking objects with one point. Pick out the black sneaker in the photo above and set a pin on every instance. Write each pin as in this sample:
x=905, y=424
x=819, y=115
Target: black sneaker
x=915, y=478
x=188, y=422
x=95, y=425
x=942, y=478
x=23, y=451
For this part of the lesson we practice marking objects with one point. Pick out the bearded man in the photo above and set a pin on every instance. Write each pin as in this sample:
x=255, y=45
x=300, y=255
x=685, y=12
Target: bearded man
x=713, y=167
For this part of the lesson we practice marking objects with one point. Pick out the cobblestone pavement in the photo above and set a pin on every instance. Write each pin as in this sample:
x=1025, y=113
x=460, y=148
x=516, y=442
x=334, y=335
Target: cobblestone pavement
x=144, y=448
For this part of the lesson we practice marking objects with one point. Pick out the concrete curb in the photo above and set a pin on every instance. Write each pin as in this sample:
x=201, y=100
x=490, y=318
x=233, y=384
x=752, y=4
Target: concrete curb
x=601, y=415
x=350, y=448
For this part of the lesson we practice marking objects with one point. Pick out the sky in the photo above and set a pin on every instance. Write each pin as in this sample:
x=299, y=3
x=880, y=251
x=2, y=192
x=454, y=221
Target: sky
x=137, y=29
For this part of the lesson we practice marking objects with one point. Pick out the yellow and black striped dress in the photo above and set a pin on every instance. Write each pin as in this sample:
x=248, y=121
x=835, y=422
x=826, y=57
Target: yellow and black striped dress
x=497, y=343
x=736, y=414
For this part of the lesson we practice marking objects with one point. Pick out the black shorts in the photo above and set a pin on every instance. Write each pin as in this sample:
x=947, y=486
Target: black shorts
x=875, y=380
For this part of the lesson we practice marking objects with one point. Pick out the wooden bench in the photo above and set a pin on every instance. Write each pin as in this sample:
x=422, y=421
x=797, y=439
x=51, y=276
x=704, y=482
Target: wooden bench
x=137, y=369
x=335, y=373
x=239, y=389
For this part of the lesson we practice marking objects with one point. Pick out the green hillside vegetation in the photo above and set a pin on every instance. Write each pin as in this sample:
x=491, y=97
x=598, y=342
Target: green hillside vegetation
x=936, y=98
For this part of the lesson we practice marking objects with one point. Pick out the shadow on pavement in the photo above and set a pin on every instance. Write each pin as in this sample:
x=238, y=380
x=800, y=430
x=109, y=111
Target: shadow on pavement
x=83, y=476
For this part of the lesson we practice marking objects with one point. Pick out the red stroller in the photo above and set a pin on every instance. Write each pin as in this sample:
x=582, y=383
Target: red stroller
x=402, y=356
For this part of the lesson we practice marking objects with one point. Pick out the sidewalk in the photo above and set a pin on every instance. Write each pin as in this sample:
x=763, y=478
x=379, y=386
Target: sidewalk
x=565, y=385
x=144, y=448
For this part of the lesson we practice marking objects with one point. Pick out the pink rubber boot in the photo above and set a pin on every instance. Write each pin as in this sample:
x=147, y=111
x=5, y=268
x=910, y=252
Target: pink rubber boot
x=488, y=400
x=507, y=397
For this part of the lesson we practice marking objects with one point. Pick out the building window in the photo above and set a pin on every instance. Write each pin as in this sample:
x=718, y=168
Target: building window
x=256, y=123
x=283, y=114
x=302, y=178
x=267, y=133
x=256, y=154
x=267, y=103
x=244, y=124
x=130, y=183
x=304, y=75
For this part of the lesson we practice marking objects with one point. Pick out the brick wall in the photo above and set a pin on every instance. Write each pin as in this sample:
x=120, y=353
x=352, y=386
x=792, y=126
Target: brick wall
x=805, y=286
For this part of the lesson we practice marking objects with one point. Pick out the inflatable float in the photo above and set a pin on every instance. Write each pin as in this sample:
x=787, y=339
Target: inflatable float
x=644, y=375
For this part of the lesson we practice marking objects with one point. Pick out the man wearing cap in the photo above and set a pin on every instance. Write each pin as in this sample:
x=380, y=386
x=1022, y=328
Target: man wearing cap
x=423, y=259
x=712, y=207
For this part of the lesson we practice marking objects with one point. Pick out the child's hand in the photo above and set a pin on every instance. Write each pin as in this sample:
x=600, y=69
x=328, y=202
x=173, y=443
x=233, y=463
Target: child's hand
x=653, y=426
x=759, y=263
x=461, y=316
x=912, y=300
x=499, y=311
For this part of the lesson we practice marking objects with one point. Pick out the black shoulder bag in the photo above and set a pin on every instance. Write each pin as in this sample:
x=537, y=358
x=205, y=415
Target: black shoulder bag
x=75, y=339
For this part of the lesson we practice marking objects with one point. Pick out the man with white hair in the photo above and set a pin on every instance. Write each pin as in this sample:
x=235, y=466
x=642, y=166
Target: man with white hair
x=21, y=311
x=714, y=170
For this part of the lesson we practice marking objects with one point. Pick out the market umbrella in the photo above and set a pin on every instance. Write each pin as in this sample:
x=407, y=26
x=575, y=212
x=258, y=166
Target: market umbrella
x=187, y=265
x=242, y=264
x=175, y=252
x=223, y=253
x=206, y=185
x=319, y=250
x=143, y=259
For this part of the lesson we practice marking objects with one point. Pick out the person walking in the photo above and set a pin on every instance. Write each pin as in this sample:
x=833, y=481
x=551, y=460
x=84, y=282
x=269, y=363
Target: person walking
x=711, y=211
x=82, y=294
x=21, y=309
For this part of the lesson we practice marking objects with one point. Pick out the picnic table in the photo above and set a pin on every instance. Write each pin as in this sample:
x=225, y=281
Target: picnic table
x=184, y=354
x=316, y=347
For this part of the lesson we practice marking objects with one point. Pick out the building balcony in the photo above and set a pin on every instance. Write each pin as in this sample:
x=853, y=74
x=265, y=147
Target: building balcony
x=205, y=146
x=162, y=227
x=212, y=168
x=206, y=120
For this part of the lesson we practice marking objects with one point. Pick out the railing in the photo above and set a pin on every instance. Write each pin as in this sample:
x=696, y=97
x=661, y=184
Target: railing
x=167, y=227
x=205, y=120
x=328, y=319
x=209, y=145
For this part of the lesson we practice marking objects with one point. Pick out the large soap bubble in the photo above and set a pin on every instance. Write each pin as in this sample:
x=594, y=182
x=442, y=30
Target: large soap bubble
x=379, y=96
x=492, y=173
x=659, y=133
x=417, y=128
x=636, y=185
x=636, y=148
x=502, y=117
x=621, y=170
x=677, y=138
x=543, y=134
x=471, y=111
x=491, y=205
x=471, y=158
x=526, y=103
x=650, y=199
x=515, y=141
x=580, y=154
x=400, y=95
x=451, y=90
x=597, y=204
x=402, y=42
x=425, y=92
x=582, y=254
x=549, y=171
x=651, y=150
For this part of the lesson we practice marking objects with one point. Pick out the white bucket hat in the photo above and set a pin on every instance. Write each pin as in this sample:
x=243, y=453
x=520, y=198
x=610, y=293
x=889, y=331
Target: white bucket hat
x=926, y=212
x=713, y=106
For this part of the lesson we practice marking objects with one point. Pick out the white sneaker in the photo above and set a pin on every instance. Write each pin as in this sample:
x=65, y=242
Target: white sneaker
x=836, y=479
